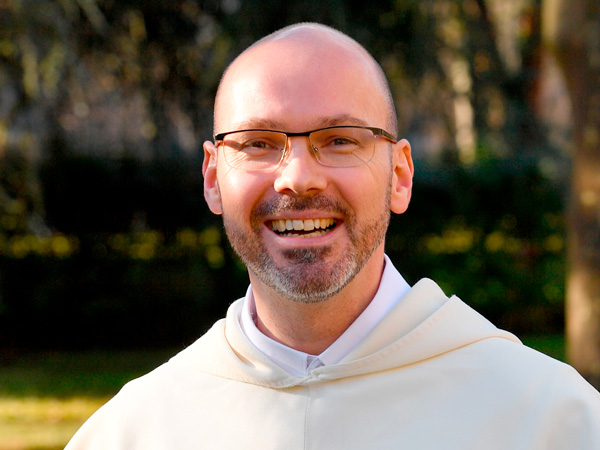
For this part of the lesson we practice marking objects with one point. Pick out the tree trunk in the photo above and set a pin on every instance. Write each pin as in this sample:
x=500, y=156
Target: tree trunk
x=572, y=30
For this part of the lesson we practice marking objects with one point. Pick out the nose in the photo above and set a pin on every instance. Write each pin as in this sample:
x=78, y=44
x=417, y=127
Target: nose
x=300, y=172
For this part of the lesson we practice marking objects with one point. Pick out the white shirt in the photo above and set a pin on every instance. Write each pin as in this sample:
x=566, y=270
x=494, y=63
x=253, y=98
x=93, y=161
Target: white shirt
x=391, y=289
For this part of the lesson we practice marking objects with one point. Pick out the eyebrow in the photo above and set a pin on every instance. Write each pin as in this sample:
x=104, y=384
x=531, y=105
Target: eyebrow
x=261, y=123
x=342, y=119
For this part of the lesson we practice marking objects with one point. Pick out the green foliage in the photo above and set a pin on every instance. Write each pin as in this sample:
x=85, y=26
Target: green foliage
x=104, y=108
x=98, y=374
x=121, y=290
x=20, y=246
x=491, y=234
x=552, y=345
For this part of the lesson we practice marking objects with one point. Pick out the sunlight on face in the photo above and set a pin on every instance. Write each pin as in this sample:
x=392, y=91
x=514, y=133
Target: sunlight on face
x=296, y=85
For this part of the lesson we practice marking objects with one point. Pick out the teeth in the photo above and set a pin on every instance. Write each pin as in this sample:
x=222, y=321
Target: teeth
x=282, y=225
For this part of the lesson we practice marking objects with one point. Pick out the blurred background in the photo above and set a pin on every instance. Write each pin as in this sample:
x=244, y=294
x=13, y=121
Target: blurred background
x=110, y=260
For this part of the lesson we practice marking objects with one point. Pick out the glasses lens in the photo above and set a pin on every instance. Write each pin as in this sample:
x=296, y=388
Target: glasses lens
x=343, y=146
x=253, y=150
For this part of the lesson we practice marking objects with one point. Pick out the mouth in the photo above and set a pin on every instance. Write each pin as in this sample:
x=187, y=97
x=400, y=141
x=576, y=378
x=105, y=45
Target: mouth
x=307, y=228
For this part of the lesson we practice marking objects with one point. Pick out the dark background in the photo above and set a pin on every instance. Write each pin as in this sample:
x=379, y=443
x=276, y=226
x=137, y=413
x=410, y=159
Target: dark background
x=105, y=240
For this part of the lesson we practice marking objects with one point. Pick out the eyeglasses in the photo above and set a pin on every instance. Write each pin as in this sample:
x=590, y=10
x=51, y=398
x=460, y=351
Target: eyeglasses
x=341, y=146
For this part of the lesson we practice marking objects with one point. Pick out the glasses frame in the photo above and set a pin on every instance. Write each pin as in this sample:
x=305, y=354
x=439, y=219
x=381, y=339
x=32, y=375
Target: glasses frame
x=219, y=138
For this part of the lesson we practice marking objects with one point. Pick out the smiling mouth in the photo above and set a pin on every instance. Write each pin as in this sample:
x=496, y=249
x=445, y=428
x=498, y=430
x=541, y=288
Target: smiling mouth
x=307, y=228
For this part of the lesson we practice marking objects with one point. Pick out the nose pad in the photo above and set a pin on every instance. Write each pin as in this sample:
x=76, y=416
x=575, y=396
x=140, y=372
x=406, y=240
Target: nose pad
x=315, y=151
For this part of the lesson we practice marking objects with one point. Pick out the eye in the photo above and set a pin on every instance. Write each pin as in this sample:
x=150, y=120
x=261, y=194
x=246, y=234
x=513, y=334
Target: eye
x=338, y=144
x=341, y=141
x=259, y=144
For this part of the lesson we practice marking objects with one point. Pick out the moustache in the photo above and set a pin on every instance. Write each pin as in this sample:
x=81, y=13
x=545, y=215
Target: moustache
x=287, y=203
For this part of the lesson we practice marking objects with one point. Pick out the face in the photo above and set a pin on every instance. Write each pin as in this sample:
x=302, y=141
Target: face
x=303, y=230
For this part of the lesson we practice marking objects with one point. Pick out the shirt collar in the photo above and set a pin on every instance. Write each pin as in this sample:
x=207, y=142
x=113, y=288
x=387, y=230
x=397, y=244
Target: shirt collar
x=392, y=288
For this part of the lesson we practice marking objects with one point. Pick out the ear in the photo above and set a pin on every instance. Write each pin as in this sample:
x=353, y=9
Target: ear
x=209, y=171
x=402, y=176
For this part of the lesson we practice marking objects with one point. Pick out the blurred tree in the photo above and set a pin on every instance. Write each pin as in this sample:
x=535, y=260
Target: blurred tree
x=100, y=79
x=34, y=52
x=572, y=32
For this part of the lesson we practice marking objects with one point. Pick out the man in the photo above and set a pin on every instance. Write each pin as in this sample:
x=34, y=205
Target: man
x=330, y=348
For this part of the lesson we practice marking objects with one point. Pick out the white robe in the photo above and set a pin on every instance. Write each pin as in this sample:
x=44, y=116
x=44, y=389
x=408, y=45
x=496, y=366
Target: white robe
x=453, y=382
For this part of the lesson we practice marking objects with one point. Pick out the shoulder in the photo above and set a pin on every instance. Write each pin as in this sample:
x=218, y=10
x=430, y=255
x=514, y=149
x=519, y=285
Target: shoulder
x=553, y=391
x=143, y=406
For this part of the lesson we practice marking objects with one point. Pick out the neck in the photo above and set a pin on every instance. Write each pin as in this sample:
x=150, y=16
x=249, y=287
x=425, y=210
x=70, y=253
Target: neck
x=313, y=327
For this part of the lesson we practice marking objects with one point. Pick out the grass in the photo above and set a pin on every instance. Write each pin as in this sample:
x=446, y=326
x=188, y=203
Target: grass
x=46, y=397
x=42, y=423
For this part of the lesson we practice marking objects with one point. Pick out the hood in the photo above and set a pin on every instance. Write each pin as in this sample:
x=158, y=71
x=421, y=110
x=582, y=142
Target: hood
x=437, y=325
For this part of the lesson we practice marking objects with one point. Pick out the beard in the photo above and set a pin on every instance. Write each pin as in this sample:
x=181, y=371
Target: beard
x=307, y=275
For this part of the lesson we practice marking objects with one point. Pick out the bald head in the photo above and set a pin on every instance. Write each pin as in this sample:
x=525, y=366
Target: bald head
x=296, y=53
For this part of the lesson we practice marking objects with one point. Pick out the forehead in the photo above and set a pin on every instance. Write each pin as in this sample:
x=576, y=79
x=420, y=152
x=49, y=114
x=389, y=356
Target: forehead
x=297, y=83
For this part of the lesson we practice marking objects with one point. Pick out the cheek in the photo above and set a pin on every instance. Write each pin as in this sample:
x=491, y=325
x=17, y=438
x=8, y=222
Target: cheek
x=368, y=191
x=240, y=191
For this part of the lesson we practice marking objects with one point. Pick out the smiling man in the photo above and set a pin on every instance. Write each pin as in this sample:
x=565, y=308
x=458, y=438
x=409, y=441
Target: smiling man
x=272, y=189
x=331, y=348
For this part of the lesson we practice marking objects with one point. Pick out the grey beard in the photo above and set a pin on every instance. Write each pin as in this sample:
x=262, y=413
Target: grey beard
x=305, y=289
x=306, y=277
